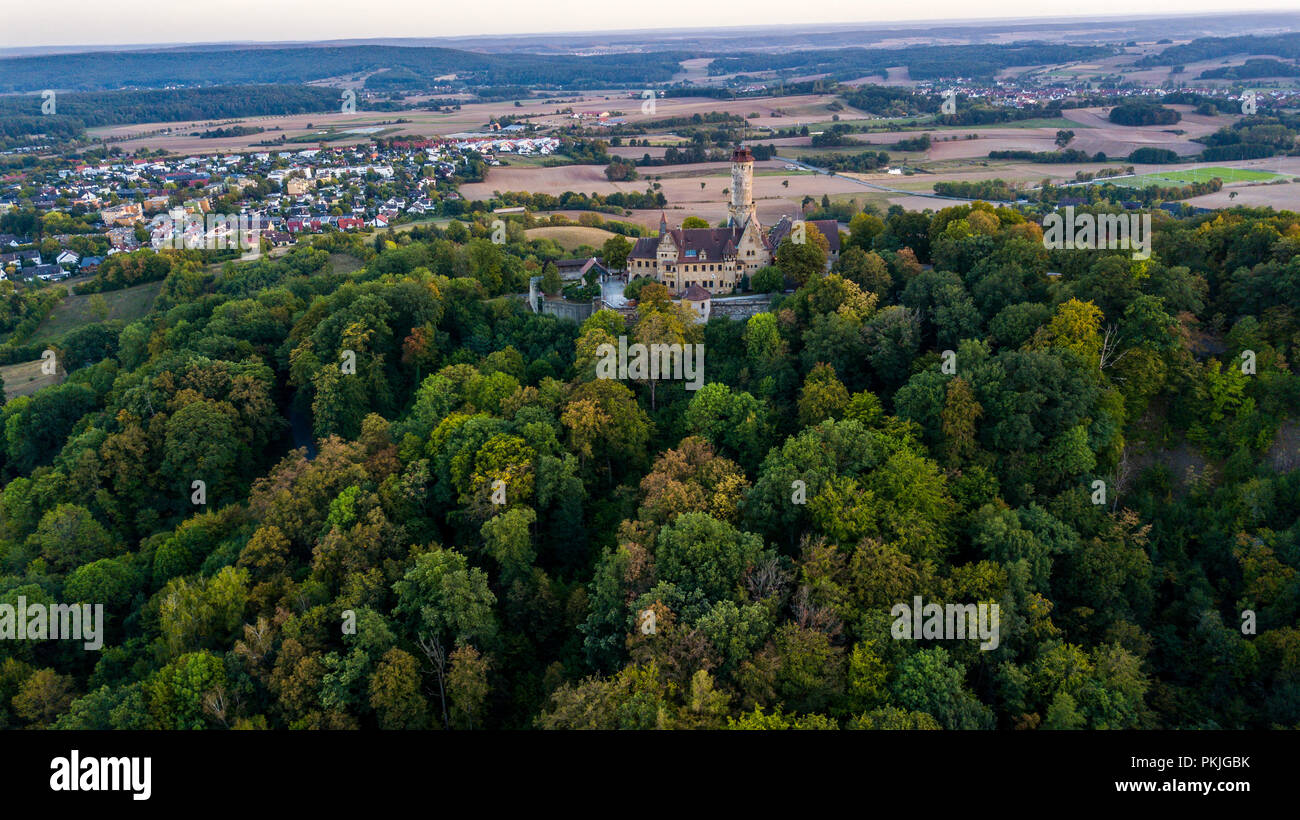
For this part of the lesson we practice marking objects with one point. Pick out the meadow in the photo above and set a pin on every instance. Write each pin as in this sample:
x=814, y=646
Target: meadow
x=74, y=311
x=1187, y=176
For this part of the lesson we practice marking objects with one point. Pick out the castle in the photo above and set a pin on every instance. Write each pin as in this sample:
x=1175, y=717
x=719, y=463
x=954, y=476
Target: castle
x=716, y=259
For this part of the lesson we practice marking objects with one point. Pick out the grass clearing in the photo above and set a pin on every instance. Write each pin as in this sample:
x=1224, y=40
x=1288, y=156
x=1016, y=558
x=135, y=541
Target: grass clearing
x=571, y=236
x=75, y=310
x=534, y=160
x=345, y=263
x=25, y=378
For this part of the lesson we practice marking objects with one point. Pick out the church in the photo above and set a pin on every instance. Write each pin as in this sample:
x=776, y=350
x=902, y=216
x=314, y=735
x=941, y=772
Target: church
x=717, y=259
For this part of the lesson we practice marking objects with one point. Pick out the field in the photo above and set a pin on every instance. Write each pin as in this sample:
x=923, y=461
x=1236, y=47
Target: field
x=696, y=188
x=1187, y=176
x=127, y=304
x=305, y=130
x=571, y=236
x=343, y=263
x=1281, y=197
x=25, y=378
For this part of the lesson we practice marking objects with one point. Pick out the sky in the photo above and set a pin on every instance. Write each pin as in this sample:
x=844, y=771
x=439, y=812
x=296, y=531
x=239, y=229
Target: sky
x=94, y=22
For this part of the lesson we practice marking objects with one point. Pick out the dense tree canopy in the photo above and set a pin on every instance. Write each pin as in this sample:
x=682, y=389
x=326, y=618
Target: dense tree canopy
x=421, y=507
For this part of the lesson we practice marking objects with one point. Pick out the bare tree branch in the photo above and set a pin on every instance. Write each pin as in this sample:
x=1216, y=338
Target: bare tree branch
x=437, y=656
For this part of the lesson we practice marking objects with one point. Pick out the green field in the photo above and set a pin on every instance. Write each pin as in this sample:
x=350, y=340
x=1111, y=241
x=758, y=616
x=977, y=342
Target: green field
x=535, y=160
x=570, y=237
x=345, y=263
x=127, y=304
x=1170, y=179
x=1036, y=122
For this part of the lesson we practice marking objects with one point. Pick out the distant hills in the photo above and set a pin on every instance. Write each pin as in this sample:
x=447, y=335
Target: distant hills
x=638, y=59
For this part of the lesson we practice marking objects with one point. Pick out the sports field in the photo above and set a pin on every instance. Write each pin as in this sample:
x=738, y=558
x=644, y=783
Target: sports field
x=1170, y=179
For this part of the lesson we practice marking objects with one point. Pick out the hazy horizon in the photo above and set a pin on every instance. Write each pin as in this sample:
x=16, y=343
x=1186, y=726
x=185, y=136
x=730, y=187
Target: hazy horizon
x=79, y=23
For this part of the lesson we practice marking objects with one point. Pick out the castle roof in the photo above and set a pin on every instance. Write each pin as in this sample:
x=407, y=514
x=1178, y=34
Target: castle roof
x=693, y=244
x=704, y=244
x=644, y=248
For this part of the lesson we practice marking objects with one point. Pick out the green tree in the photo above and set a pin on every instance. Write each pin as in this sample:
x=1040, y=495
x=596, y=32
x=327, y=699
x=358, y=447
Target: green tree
x=467, y=687
x=550, y=283
x=444, y=598
x=698, y=552
x=768, y=279
x=615, y=251
x=803, y=261
x=395, y=692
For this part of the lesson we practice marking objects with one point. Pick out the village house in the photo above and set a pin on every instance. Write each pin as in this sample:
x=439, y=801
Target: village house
x=572, y=270
x=126, y=214
x=46, y=273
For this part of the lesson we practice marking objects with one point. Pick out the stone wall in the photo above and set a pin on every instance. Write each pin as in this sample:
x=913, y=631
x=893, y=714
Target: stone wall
x=564, y=309
x=739, y=307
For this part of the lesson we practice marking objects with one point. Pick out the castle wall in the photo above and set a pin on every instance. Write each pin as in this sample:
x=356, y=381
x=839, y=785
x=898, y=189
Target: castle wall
x=740, y=307
x=564, y=309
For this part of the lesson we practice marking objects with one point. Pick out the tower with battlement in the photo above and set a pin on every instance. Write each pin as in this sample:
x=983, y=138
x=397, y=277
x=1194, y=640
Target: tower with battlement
x=741, y=209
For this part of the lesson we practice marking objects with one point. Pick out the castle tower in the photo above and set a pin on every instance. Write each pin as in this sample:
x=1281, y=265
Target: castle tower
x=741, y=209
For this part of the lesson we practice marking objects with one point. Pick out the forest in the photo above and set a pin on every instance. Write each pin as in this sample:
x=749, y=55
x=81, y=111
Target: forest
x=21, y=117
x=1136, y=112
x=924, y=62
x=465, y=528
x=1210, y=48
x=95, y=71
